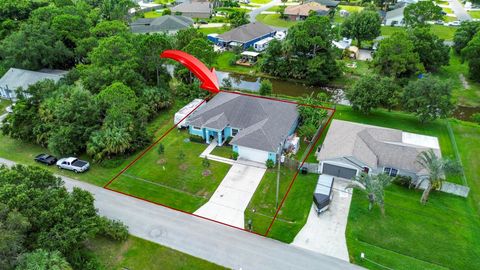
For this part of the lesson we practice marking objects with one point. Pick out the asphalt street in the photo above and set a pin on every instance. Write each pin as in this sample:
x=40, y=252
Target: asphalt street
x=220, y=244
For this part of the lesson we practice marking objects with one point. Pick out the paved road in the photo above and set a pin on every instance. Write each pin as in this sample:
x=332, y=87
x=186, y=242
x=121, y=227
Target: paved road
x=211, y=241
x=459, y=10
x=253, y=14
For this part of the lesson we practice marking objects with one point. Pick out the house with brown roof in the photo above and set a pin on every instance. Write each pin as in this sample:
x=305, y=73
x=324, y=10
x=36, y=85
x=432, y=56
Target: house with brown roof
x=301, y=12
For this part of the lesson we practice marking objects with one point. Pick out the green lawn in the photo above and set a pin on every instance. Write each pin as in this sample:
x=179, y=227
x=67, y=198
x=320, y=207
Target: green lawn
x=171, y=180
x=261, y=1
x=214, y=30
x=444, y=233
x=4, y=103
x=443, y=32
x=274, y=20
x=294, y=212
x=224, y=60
x=475, y=14
x=136, y=253
x=223, y=151
x=449, y=18
x=448, y=10
x=152, y=14
x=351, y=9
x=164, y=1
x=466, y=97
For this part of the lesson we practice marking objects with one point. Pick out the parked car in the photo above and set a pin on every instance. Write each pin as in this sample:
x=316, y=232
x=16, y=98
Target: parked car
x=454, y=23
x=440, y=22
x=46, y=159
x=202, y=22
x=73, y=164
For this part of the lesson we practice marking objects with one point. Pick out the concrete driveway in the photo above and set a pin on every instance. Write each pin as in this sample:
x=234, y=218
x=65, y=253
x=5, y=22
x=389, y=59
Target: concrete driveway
x=232, y=196
x=326, y=233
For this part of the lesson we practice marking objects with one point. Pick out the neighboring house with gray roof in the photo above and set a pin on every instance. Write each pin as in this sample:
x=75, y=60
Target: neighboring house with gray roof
x=244, y=36
x=350, y=148
x=168, y=24
x=257, y=126
x=194, y=9
x=395, y=17
x=16, y=78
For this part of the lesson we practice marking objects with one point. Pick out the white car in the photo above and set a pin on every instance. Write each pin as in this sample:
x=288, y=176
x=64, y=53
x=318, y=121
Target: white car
x=73, y=164
x=9, y=109
x=454, y=23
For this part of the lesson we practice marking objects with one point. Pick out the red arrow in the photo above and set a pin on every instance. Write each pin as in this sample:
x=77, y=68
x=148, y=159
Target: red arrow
x=207, y=77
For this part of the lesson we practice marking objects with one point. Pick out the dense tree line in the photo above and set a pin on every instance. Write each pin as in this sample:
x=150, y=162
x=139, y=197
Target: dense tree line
x=116, y=84
x=306, y=54
x=467, y=44
x=43, y=226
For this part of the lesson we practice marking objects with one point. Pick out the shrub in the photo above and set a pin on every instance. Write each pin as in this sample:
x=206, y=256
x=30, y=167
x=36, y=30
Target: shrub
x=181, y=156
x=196, y=139
x=206, y=162
x=161, y=149
x=235, y=155
x=167, y=12
x=113, y=229
x=476, y=118
x=112, y=163
x=269, y=163
x=402, y=180
x=265, y=87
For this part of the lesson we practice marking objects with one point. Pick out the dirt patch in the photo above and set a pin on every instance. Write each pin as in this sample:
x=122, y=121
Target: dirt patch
x=206, y=173
x=183, y=167
x=161, y=161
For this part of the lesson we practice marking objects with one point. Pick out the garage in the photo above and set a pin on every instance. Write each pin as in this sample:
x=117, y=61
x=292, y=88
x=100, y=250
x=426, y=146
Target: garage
x=252, y=154
x=338, y=171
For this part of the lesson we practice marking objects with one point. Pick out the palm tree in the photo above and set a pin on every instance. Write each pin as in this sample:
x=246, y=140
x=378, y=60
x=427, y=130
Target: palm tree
x=437, y=168
x=373, y=186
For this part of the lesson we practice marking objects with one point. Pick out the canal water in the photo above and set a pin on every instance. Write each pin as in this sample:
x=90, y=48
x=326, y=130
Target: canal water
x=294, y=89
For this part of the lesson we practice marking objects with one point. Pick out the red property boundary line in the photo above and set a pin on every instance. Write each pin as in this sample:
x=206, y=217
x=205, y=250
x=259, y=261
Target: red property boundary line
x=106, y=186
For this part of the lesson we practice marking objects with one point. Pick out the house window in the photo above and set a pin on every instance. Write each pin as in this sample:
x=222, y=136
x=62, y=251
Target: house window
x=196, y=128
x=390, y=171
x=234, y=131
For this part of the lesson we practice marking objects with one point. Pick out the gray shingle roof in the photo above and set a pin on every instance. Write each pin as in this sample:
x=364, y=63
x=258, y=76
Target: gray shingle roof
x=15, y=78
x=373, y=146
x=262, y=123
x=247, y=32
x=161, y=24
x=193, y=7
x=394, y=13
x=328, y=3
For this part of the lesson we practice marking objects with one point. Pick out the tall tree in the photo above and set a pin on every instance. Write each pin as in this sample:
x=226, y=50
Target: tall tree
x=464, y=34
x=238, y=18
x=364, y=25
x=436, y=168
x=396, y=56
x=429, y=98
x=433, y=53
x=372, y=91
x=42, y=259
x=472, y=53
x=420, y=13
x=374, y=186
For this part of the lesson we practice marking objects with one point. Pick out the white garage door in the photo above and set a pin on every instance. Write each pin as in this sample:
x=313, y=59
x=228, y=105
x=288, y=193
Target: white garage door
x=252, y=154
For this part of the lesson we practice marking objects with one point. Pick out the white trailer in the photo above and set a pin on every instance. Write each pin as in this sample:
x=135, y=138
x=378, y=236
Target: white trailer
x=261, y=45
x=323, y=194
x=181, y=116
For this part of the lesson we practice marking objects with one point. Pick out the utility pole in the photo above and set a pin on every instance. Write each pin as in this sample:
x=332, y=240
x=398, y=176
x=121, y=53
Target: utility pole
x=278, y=174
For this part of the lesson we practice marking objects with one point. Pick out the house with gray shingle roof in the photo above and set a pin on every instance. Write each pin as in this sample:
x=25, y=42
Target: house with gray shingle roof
x=350, y=148
x=257, y=126
x=244, y=36
x=194, y=9
x=165, y=24
x=15, y=79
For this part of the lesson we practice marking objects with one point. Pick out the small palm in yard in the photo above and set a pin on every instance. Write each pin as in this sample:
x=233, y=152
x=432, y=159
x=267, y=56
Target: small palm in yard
x=437, y=168
x=374, y=186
